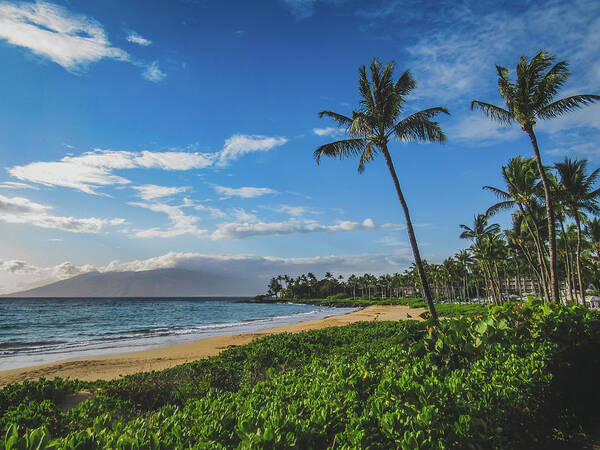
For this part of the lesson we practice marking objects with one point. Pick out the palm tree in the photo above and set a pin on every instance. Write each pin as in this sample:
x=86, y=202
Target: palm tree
x=480, y=229
x=592, y=231
x=464, y=259
x=529, y=99
x=578, y=196
x=522, y=180
x=374, y=123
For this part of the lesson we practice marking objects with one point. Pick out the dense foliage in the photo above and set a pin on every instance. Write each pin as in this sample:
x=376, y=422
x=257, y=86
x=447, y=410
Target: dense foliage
x=519, y=376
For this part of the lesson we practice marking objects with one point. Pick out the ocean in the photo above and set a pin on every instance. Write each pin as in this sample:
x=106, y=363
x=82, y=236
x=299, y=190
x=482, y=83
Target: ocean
x=40, y=330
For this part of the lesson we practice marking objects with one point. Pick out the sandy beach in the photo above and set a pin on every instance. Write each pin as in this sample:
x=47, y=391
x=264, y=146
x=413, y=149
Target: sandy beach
x=114, y=366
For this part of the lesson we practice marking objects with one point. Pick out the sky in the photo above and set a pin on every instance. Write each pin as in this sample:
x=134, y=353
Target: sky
x=151, y=134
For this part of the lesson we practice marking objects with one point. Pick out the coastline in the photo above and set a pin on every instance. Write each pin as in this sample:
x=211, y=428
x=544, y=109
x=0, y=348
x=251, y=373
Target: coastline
x=114, y=366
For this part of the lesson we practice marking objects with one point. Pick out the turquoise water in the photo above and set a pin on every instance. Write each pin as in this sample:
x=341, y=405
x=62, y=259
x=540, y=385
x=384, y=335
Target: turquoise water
x=35, y=331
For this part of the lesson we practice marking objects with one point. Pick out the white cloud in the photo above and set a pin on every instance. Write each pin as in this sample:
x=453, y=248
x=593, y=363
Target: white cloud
x=239, y=145
x=15, y=185
x=153, y=73
x=181, y=223
x=241, y=215
x=588, y=150
x=53, y=32
x=295, y=211
x=476, y=129
x=243, y=192
x=240, y=230
x=152, y=191
x=215, y=213
x=92, y=170
x=19, y=210
x=391, y=241
x=329, y=131
x=137, y=39
x=458, y=61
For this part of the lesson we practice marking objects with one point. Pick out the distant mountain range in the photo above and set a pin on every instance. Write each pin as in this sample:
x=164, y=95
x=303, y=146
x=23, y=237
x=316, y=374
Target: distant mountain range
x=149, y=283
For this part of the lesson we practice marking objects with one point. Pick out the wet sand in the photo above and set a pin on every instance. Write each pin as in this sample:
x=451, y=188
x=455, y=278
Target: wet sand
x=114, y=366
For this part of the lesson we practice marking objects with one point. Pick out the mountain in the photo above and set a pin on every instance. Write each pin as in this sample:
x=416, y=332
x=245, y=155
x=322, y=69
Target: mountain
x=149, y=283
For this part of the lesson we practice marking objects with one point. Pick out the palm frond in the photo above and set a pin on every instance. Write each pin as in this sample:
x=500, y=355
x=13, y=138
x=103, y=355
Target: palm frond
x=549, y=86
x=502, y=206
x=567, y=104
x=493, y=112
x=405, y=84
x=340, y=149
x=339, y=118
x=419, y=127
x=506, y=88
x=364, y=88
x=367, y=155
x=499, y=192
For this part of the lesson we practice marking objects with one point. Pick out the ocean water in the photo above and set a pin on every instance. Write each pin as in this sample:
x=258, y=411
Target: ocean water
x=40, y=330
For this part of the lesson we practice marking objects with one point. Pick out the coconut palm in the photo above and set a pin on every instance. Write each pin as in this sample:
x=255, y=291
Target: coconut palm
x=523, y=187
x=480, y=229
x=578, y=196
x=592, y=232
x=529, y=99
x=372, y=126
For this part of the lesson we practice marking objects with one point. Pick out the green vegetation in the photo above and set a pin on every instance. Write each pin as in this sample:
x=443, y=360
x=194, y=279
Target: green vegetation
x=520, y=376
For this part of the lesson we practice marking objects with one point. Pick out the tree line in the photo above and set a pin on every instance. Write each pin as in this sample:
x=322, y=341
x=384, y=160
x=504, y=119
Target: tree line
x=528, y=99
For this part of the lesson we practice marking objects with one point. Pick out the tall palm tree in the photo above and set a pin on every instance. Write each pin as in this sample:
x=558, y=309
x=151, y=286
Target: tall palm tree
x=529, y=99
x=578, y=196
x=523, y=187
x=374, y=123
x=484, y=245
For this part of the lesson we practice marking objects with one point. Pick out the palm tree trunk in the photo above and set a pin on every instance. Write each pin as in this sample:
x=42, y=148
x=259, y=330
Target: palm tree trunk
x=411, y=235
x=578, y=257
x=550, y=213
x=567, y=263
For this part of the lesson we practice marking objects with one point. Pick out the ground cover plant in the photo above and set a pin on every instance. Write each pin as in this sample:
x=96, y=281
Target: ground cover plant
x=518, y=376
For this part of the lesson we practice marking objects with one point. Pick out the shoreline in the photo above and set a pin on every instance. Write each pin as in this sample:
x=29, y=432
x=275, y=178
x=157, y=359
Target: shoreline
x=110, y=367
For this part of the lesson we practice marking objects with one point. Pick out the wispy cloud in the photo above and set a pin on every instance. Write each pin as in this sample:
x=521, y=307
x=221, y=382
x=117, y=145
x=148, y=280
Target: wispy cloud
x=19, y=210
x=243, y=192
x=245, y=230
x=53, y=32
x=153, y=73
x=476, y=129
x=296, y=211
x=74, y=41
x=458, y=60
x=329, y=131
x=16, y=185
x=181, y=223
x=152, y=191
x=92, y=170
x=240, y=144
x=137, y=39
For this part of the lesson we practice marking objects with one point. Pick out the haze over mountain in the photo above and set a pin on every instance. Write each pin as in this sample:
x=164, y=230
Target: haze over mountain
x=149, y=283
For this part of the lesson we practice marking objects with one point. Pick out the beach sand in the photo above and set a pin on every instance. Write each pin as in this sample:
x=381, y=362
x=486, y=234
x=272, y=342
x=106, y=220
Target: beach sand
x=114, y=366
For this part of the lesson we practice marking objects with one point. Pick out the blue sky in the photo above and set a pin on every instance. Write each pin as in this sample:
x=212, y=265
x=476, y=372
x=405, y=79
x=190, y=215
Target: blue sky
x=137, y=135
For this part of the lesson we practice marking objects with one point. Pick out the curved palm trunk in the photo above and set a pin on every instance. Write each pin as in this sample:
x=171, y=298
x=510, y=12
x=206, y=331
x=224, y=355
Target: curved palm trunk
x=578, y=258
x=411, y=235
x=550, y=212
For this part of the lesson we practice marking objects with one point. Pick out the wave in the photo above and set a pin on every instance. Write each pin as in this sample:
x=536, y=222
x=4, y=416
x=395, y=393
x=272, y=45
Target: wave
x=146, y=337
